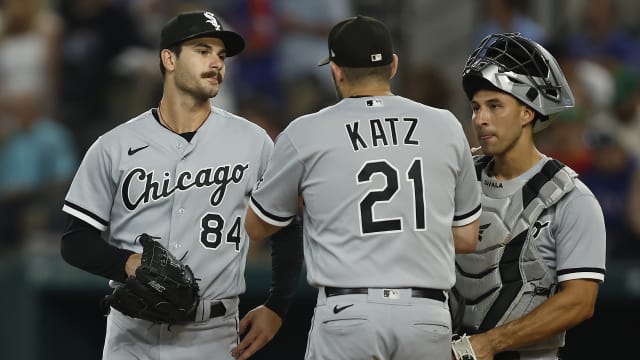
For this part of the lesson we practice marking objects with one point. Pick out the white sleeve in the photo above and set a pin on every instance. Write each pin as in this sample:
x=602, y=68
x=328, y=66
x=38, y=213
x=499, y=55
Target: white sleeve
x=92, y=191
x=468, y=191
x=275, y=196
x=580, y=238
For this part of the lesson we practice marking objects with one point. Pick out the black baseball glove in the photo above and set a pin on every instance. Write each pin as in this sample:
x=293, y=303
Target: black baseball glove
x=164, y=289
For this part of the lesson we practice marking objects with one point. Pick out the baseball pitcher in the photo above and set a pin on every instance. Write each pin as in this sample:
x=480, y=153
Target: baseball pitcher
x=169, y=189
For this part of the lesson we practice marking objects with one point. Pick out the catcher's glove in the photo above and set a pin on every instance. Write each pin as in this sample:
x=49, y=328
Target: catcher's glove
x=461, y=348
x=163, y=290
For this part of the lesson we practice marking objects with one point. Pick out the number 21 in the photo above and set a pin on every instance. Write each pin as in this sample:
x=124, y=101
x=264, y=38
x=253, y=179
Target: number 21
x=382, y=167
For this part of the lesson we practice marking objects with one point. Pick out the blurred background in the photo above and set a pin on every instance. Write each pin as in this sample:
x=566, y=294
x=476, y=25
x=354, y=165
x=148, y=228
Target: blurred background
x=72, y=69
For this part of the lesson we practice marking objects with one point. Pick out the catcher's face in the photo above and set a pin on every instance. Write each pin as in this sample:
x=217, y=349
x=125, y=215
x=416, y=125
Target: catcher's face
x=200, y=68
x=499, y=120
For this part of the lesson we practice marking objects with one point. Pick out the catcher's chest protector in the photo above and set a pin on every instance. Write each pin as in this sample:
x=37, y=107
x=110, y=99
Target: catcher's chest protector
x=506, y=277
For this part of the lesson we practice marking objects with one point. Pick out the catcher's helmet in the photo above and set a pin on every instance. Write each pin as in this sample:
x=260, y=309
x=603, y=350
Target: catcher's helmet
x=523, y=68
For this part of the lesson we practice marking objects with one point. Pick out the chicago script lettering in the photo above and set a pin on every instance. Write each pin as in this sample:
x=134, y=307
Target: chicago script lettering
x=153, y=189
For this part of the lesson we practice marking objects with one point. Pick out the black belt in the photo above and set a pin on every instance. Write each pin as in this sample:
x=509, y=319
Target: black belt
x=434, y=294
x=216, y=309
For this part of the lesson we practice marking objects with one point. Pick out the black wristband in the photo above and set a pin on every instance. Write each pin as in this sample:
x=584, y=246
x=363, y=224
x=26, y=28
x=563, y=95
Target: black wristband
x=286, y=265
x=83, y=247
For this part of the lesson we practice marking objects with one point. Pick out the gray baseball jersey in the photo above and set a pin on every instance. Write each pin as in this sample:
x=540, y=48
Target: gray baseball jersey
x=383, y=180
x=141, y=177
x=568, y=238
x=571, y=236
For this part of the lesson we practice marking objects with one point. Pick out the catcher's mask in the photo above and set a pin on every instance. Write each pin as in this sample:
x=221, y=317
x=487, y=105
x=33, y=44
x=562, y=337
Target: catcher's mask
x=522, y=68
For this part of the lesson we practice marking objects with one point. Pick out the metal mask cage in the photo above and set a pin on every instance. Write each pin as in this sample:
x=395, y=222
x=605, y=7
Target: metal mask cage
x=512, y=53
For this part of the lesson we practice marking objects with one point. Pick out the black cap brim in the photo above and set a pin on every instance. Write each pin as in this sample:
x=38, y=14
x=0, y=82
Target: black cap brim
x=325, y=61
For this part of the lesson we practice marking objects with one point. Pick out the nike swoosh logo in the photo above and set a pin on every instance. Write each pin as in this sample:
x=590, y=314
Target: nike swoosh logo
x=133, y=151
x=337, y=309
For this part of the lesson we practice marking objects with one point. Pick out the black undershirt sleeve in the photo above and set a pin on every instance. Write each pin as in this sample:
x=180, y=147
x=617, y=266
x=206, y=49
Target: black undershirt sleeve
x=83, y=247
x=286, y=264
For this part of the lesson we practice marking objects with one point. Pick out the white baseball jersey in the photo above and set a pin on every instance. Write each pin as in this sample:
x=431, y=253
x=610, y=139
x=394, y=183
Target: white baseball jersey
x=383, y=180
x=141, y=177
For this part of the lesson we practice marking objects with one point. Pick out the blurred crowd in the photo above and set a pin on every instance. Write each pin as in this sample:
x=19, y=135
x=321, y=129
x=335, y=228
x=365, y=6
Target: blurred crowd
x=72, y=69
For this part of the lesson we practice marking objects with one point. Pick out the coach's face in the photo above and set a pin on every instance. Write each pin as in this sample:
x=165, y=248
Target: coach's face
x=499, y=120
x=200, y=68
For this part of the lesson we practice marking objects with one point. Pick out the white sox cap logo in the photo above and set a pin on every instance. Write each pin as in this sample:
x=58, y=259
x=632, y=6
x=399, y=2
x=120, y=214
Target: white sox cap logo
x=212, y=20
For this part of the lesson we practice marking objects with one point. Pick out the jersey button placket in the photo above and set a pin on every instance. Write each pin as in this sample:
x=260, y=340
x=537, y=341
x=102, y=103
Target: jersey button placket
x=184, y=150
x=179, y=219
x=181, y=211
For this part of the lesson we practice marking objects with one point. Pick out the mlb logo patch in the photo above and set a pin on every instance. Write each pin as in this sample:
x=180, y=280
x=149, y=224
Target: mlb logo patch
x=376, y=57
x=391, y=294
x=374, y=102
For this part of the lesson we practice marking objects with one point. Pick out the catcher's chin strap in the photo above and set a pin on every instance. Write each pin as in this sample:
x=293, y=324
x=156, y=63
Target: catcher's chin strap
x=461, y=347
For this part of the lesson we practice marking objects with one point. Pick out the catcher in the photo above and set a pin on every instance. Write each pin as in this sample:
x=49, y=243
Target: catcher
x=541, y=250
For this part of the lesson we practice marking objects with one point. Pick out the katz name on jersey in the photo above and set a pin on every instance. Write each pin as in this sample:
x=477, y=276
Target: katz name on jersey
x=382, y=132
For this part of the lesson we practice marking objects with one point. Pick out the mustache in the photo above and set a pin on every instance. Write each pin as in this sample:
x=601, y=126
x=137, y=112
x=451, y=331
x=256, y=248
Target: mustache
x=212, y=74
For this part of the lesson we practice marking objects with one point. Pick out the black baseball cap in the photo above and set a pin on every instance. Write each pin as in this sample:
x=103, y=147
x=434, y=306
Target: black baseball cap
x=360, y=41
x=197, y=24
